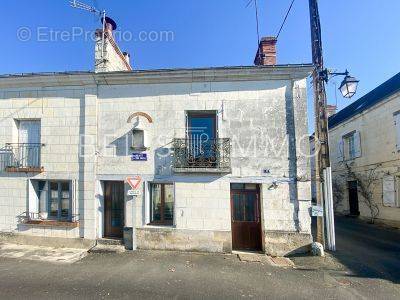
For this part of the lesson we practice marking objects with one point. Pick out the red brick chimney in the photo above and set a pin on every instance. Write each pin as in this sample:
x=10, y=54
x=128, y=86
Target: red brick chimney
x=331, y=110
x=266, y=54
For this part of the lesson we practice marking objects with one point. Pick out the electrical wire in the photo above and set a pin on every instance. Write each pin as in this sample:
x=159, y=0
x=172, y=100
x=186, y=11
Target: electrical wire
x=257, y=20
x=284, y=20
x=258, y=24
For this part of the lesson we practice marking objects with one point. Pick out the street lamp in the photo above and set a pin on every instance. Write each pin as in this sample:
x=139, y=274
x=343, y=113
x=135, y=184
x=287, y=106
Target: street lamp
x=349, y=85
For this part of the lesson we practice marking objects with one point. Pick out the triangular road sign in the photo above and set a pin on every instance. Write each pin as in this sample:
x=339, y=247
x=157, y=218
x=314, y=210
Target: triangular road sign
x=134, y=181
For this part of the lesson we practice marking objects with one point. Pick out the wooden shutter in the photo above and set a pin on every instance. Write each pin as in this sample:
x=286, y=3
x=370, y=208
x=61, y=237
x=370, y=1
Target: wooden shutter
x=396, y=117
x=357, y=144
x=388, y=191
x=33, y=200
x=340, y=149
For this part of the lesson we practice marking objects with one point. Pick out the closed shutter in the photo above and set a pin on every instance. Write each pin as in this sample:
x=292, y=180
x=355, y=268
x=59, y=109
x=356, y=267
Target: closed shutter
x=340, y=149
x=388, y=191
x=397, y=129
x=33, y=205
x=357, y=144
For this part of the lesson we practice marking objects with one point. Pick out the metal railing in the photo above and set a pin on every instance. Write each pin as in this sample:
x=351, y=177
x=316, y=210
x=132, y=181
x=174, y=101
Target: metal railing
x=202, y=154
x=25, y=155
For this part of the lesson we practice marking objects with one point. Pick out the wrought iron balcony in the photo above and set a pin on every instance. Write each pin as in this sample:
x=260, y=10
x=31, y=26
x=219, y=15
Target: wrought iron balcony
x=23, y=157
x=207, y=156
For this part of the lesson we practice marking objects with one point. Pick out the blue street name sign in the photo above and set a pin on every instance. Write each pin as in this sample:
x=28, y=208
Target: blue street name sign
x=139, y=157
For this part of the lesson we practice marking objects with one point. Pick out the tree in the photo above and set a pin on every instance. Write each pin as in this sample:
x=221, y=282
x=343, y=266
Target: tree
x=337, y=190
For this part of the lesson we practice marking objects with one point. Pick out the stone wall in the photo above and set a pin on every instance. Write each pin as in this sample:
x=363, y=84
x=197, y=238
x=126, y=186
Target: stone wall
x=184, y=240
x=65, y=115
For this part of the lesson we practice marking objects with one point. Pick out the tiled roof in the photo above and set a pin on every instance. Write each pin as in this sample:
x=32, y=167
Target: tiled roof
x=377, y=95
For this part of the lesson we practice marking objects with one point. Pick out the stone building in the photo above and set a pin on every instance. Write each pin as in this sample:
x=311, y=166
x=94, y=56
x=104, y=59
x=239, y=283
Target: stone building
x=219, y=155
x=365, y=145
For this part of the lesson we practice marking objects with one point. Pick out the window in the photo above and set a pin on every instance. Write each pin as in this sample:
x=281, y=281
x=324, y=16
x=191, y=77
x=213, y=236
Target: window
x=28, y=147
x=244, y=186
x=350, y=147
x=162, y=203
x=54, y=199
x=138, y=139
x=202, y=134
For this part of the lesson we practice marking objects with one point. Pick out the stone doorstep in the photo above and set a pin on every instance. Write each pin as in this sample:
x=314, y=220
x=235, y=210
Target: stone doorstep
x=262, y=258
x=105, y=241
x=108, y=246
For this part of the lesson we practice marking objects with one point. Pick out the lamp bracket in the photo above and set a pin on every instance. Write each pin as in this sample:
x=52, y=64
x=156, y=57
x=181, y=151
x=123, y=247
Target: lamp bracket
x=327, y=74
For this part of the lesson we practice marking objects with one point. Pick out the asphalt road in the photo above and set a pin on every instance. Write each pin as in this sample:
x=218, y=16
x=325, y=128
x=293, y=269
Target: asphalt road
x=165, y=275
x=368, y=250
x=368, y=269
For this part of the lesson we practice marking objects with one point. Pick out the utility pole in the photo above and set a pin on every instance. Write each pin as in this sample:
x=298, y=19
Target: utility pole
x=321, y=155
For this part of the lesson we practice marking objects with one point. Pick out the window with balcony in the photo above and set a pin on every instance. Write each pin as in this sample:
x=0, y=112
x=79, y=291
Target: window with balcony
x=202, y=150
x=23, y=156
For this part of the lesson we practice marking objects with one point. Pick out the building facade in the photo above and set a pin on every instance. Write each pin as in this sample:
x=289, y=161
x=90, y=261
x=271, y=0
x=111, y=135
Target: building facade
x=365, y=145
x=211, y=159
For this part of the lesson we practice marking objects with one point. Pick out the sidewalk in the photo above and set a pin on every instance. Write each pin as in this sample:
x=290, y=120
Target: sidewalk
x=40, y=253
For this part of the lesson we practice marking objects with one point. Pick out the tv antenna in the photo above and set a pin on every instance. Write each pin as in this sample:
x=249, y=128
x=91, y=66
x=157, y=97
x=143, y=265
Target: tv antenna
x=101, y=13
x=257, y=21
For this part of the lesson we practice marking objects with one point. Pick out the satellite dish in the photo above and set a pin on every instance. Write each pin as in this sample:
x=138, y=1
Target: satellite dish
x=110, y=21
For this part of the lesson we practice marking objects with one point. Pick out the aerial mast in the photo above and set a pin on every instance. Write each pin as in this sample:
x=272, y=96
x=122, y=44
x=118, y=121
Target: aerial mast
x=102, y=14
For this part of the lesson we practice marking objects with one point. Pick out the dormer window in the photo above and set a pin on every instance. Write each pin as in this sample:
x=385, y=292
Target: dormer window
x=138, y=140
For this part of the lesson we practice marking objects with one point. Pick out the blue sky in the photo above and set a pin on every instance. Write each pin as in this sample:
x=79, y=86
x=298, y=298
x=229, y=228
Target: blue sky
x=360, y=35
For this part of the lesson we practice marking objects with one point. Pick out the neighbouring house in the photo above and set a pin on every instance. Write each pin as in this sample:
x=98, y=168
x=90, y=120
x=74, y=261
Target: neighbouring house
x=221, y=154
x=365, y=155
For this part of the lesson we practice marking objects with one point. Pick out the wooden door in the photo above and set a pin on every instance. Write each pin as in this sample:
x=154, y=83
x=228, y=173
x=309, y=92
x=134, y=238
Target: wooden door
x=353, y=198
x=114, y=209
x=246, y=220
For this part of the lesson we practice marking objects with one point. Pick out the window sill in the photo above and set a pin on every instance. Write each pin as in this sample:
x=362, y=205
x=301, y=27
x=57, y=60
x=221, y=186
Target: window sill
x=25, y=169
x=52, y=223
x=158, y=226
x=140, y=148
